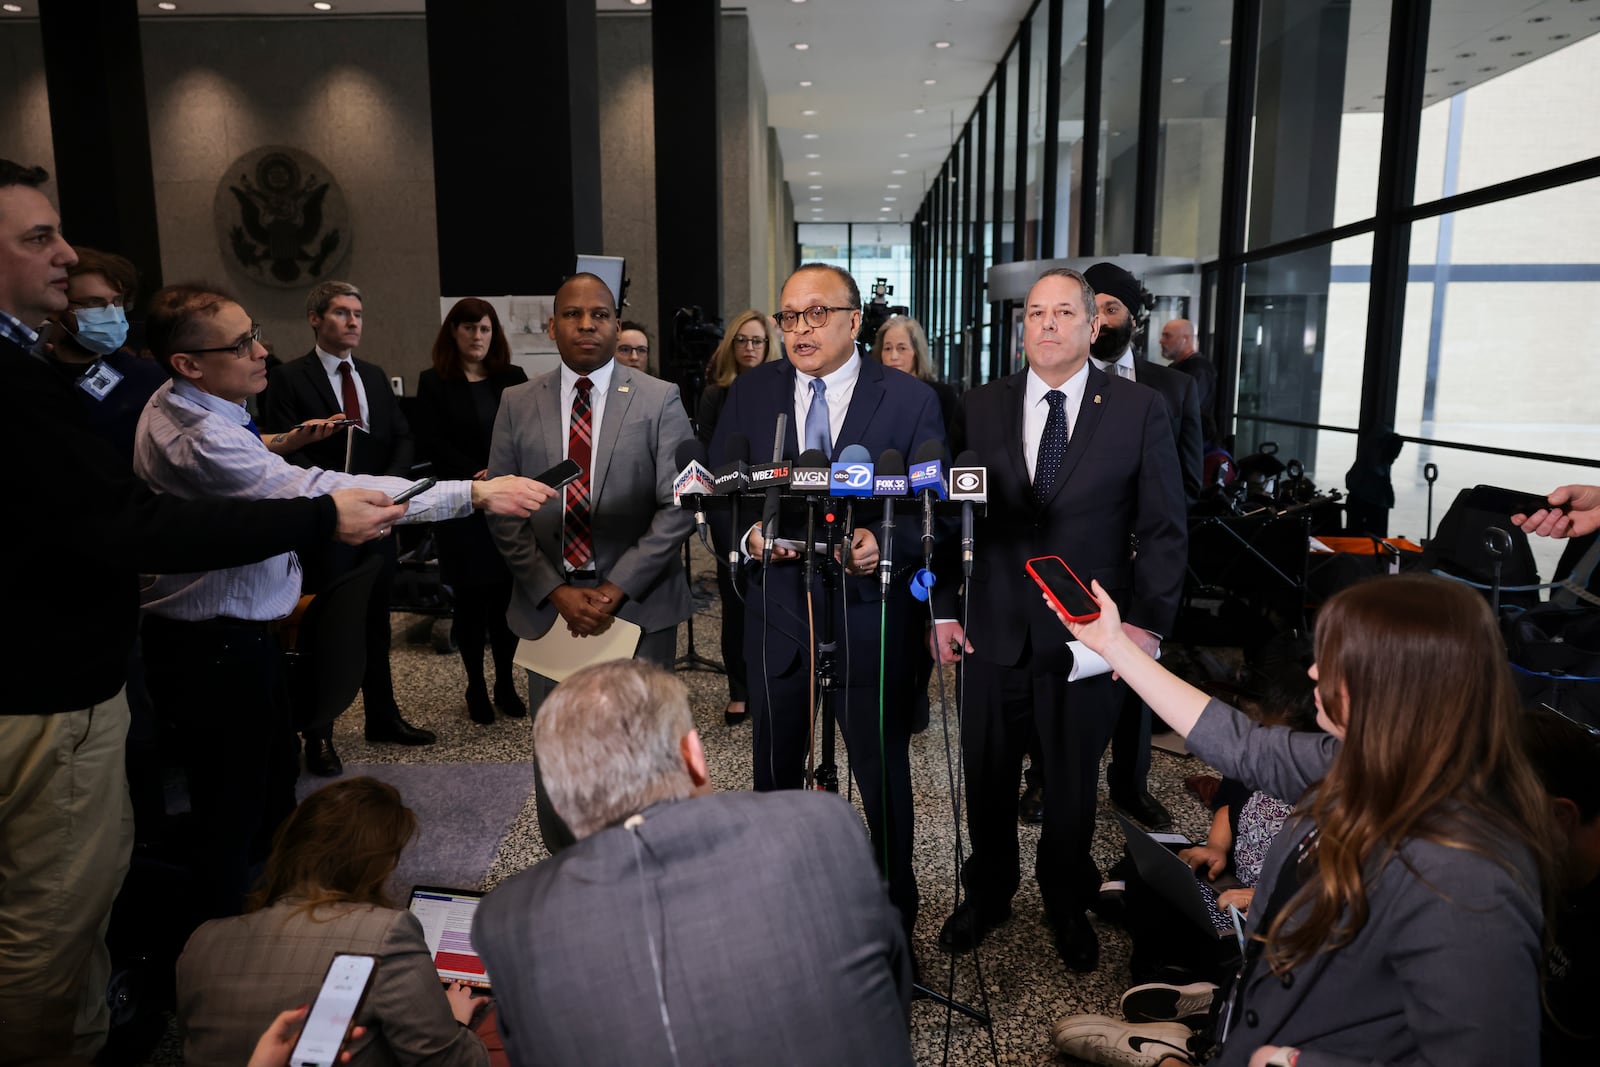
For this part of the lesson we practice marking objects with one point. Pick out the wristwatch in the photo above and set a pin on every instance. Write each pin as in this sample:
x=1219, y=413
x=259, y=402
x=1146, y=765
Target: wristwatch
x=1284, y=1057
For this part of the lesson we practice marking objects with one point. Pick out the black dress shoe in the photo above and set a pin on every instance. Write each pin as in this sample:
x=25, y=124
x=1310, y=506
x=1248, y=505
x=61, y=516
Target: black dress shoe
x=1141, y=807
x=507, y=700
x=1077, y=943
x=968, y=925
x=397, y=730
x=321, y=759
x=478, y=707
x=735, y=718
x=1030, y=809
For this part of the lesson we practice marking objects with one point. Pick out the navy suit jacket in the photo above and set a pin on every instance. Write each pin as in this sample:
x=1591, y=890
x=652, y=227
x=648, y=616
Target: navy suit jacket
x=1117, y=483
x=300, y=390
x=889, y=409
x=1183, y=408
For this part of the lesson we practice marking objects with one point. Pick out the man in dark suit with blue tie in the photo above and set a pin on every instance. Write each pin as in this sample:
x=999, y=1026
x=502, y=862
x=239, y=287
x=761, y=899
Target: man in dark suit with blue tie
x=1081, y=466
x=833, y=398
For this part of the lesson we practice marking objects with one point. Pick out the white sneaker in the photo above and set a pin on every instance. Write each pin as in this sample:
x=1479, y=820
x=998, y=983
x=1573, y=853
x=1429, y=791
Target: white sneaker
x=1103, y=1040
x=1158, y=1002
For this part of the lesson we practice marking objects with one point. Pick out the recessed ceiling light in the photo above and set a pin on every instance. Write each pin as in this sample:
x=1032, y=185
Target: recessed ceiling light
x=816, y=199
x=811, y=136
x=1458, y=83
x=638, y=3
x=919, y=111
x=1083, y=43
x=1559, y=36
x=930, y=81
x=1116, y=133
x=797, y=1
x=814, y=188
x=1465, y=55
x=808, y=112
x=805, y=85
x=813, y=155
x=899, y=170
x=1487, y=70
x=1520, y=55
x=1226, y=41
x=16, y=9
x=890, y=199
x=1500, y=37
x=1435, y=70
x=913, y=134
x=1540, y=18
x=941, y=44
x=904, y=155
x=800, y=46
x=322, y=5
x=892, y=185
x=813, y=174
x=1358, y=107
x=1179, y=81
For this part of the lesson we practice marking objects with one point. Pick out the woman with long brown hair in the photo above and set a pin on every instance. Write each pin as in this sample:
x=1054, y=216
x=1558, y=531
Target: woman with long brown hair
x=323, y=893
x=749, y=342
x=457, y=400
x=1398, y=915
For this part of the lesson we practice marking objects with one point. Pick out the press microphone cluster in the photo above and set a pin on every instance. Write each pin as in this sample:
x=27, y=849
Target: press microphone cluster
x=694, y=479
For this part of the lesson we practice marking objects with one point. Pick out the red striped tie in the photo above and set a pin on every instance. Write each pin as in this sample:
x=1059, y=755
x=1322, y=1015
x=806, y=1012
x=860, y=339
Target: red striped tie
x=580, y=546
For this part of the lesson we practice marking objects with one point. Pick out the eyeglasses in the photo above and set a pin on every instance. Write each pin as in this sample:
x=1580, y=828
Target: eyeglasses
x=755, y=342
x=241, y=348
x=633, y=350
x=816, y=316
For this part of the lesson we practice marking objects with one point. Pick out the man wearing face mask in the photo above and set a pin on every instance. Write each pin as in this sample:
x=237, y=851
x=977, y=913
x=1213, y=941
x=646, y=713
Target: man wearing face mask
x=86, y=343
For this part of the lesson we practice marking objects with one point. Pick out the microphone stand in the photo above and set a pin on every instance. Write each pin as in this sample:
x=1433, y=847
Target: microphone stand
x=826, y=774
x=692, y=660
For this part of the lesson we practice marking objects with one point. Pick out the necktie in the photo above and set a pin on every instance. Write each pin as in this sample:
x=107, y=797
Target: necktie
x=1125, y=371
x=250, y=424
x=817, y=435
x=1052, y=447
x=580, y=545
x=347, y=387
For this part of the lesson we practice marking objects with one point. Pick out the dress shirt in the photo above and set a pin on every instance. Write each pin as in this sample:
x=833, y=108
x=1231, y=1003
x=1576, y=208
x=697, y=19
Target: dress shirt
x=196, y=445
x=601, y=380
x=1036, y=409
x=1122, y=367
x=16, y=331
x=841, y=385
x=330, y=363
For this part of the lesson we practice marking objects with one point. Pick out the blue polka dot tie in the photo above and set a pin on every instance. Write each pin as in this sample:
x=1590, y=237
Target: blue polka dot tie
x=1052, y=447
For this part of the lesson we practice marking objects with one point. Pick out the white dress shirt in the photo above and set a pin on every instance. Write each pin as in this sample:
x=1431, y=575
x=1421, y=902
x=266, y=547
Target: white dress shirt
x=330, y=364
x=195, y=445
x=841, y=386
x=1036, y=409
x=1122, y=368
x=601, y=380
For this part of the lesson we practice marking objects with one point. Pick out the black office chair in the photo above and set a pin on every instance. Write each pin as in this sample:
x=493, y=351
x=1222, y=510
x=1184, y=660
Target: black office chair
x=328, y=656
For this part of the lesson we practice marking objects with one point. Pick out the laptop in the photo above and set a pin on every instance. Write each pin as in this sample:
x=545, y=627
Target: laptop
x=446, y=918
x=1164, y=872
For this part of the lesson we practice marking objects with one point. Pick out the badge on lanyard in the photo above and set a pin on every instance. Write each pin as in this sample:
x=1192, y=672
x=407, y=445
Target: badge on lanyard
x=100, y=379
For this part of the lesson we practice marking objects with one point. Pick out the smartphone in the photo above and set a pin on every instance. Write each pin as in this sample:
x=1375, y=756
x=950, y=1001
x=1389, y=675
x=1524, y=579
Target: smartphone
x=1063, y=588
x=333, y=1013
x=420, y=486
x=561, y=474
x=342, y=421
x=1508, y=501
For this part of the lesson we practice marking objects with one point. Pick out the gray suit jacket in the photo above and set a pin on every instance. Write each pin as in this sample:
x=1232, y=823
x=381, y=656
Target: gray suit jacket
x=1446, y=969
x=636, y=528
x=776, y=942
x=237, y=974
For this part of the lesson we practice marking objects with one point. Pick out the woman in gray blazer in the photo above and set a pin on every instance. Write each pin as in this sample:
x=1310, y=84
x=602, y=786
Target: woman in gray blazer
x=322, y=893
x=1398, y=915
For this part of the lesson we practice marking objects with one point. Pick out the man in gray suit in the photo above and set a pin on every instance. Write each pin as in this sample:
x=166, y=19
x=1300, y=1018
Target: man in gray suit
x=686, y=927
x=612, y=550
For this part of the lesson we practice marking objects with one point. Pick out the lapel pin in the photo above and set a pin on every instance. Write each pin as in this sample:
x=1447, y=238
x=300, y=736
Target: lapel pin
x=1097, y=398
x=622, y=388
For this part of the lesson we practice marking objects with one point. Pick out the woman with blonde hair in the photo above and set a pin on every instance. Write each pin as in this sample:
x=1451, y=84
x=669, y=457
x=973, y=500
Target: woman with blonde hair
x=323, y=893
x=1398, y=914
x=749, y=342
x=903, y=344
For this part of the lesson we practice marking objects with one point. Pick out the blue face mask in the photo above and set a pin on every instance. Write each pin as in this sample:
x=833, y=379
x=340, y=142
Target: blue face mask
x=101, y=330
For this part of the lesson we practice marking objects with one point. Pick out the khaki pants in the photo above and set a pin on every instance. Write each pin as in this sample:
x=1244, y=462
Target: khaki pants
x=66, y=832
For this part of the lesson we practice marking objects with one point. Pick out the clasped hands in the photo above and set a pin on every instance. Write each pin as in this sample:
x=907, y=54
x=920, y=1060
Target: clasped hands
x=587, y=611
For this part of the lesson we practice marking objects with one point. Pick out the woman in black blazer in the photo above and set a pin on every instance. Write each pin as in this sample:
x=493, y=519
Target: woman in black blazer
x=902, y=344
x=456, y=405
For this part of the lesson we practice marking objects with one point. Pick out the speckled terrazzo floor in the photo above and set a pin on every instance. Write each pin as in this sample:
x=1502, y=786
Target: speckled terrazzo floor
x=1028, y=986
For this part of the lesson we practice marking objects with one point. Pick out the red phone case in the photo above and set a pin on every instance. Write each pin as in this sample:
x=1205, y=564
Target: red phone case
x=1047, y=591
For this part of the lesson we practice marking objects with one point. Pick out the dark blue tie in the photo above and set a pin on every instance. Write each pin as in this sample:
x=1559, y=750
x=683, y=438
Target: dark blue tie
x=250, y=424
x=1052, y=447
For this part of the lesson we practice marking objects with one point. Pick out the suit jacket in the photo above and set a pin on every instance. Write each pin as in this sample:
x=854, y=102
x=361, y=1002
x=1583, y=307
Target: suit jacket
x=300, y=390
x=237, y=974
x=1446, y=968
x=1118, y=482
x=776, y=942
x=889, y=409
x=637, y=530
x=447, y=430
x=1183, y=408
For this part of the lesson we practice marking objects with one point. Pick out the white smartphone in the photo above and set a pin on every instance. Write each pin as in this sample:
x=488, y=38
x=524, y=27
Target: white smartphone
x=344, y=988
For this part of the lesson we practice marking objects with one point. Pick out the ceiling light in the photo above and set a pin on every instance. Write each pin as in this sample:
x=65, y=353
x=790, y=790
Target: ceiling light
x=1465, y=55
x=797, y=1
x=16, y=9
x=1179, y=81
x=813, y=174
x=1226, y=41
x=1559, y=36
x=941, y=44
x=1540, y=18
x=638, y=3
x=890, y=199
x=900, y=170
x=322, y=5
x=911, y=134
x=805, y=85
x=930, y=81
x=892, y=185
x=886, y=209
x=811, y=136
x=919, y=111
x=904, y=155
x=808, y=112
x=816, y=199
x=1521, y=55
x=1487, y=70
x=1500, y=37
x=813, y=155
x=813, y=188
x=1116, y=133
x=800, y=46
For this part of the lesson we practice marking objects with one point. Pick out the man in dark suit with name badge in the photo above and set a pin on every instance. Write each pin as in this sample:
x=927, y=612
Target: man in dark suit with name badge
x=1080, y=466
x=330, y=381
x=834, y=398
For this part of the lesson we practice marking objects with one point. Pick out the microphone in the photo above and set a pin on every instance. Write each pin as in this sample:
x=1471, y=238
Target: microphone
x=851, y=477
x=927, y=481
x=774, y=476
x=693, y=479
x=809, y=476
x=732, y=479
x=969, y=483
x=889, y=481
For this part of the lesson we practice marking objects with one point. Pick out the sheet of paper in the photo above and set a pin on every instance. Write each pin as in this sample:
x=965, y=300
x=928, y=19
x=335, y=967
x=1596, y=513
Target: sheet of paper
x=1086, y=662
x=558, y=653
